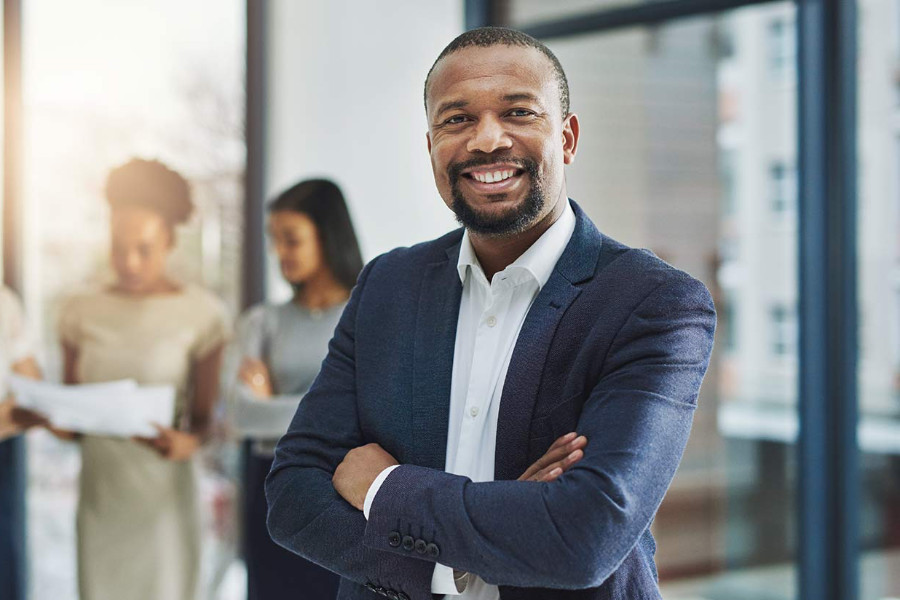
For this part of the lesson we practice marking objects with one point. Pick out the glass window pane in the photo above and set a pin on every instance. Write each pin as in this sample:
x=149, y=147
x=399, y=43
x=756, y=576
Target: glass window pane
x=688, y=148
x=105, y=81
x=879, y=296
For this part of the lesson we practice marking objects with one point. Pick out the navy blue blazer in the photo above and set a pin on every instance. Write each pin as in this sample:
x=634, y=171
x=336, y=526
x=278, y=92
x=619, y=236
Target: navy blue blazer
x=615, y=346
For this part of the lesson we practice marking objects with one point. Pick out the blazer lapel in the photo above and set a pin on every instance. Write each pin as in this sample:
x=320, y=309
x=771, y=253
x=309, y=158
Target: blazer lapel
x=435, y=341
x=520, y=389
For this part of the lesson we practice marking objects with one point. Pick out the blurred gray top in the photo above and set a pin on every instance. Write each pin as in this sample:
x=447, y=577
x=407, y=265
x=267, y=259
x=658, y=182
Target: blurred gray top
x=292, y=341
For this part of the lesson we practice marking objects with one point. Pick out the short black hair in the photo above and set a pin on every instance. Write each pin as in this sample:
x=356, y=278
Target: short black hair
x=504, y=36
x=322, y=201
x=152, y=185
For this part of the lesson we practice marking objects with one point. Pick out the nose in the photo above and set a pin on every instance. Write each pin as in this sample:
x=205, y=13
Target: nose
x=489, y=136
x=281, y=250
x=132, y=263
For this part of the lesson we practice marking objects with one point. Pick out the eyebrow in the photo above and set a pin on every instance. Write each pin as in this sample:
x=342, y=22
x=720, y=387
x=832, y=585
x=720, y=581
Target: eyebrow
x=518, y=97
x=451, y=106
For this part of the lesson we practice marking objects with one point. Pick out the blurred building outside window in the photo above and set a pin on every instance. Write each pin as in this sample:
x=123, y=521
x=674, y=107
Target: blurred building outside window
x=782, y=47
x=783, y=330
x=783, y=188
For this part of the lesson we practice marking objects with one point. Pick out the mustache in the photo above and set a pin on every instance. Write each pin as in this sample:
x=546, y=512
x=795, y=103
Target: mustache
x=454, y=171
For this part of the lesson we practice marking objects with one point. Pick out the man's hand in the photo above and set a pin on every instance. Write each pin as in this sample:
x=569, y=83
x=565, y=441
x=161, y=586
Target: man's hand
x=565, y=452
x=358, y=470
x=255, y=376
x=172, y=444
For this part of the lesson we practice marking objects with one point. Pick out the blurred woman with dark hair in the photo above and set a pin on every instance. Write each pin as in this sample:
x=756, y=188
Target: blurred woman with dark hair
x=275, y=357
x=137, y=521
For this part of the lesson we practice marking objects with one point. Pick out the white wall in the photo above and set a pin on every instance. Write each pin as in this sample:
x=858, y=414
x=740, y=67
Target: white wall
x=345, y=101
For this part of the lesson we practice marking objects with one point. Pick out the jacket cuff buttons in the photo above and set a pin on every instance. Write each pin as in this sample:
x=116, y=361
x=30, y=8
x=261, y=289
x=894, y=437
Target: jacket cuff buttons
x=386, y=592
x=409, y=544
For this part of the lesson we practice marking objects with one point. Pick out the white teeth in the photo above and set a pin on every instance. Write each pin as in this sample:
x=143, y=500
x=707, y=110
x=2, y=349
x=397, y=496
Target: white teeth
x=493, y=177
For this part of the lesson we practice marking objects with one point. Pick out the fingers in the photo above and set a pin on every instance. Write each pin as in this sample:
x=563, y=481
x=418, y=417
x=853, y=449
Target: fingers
x=255, y=375
x=253, y=363
x=149, y=442
x=561, y=441
x=162, y=443
x=26, y=418
x=554, y=470
x=246, y=374
x=63, y=434
x=551, y=455
x=249, y=368
x=155, y=443
x=558, y=451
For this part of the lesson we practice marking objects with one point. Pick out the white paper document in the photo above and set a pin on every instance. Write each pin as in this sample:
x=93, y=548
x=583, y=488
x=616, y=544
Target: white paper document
x=117, y=408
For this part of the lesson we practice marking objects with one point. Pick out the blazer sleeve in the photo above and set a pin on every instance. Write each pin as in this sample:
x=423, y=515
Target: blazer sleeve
x=574, y=532
x=306, y=515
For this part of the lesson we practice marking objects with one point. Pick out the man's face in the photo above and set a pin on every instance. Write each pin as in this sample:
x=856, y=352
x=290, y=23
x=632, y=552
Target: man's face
x=497, y=137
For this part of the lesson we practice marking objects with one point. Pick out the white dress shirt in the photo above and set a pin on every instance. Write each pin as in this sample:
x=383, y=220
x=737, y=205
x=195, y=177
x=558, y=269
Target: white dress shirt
x=491, y=314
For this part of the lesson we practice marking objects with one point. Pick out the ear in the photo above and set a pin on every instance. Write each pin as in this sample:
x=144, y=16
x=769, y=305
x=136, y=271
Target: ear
x=570, y=138
x=428, y=140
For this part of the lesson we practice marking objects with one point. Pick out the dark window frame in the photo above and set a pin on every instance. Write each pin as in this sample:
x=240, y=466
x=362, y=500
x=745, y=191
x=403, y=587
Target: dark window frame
x=13, y=567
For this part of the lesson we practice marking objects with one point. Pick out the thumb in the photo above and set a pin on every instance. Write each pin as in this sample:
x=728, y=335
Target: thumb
x=162, y=432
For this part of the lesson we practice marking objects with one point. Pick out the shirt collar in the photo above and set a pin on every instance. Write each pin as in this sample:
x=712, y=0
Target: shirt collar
x=539, y=260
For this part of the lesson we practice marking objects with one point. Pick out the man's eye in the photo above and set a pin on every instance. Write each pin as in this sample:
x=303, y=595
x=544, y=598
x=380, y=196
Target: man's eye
x=520, y=112
x=455, y=120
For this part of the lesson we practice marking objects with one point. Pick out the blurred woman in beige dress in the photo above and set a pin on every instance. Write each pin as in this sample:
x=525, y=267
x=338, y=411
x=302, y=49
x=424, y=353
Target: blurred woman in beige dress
x=138, y=522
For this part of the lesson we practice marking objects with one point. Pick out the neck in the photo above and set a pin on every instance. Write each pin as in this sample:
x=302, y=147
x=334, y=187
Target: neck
x=321, y=291
x=162, y=286
x=495, y=253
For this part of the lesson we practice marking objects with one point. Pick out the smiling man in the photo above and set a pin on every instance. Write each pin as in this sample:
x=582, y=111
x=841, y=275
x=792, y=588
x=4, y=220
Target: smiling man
x=502, y=409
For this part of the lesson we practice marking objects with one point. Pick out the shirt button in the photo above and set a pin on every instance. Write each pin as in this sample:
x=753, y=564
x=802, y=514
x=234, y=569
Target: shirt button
x=473, y=411
x=491, y=321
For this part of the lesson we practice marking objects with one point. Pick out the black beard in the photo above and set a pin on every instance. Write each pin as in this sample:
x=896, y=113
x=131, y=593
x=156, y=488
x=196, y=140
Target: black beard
x=513, y=221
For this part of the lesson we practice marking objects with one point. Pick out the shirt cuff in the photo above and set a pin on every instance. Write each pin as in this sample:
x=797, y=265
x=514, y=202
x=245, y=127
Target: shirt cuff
x=442, y=581
x=446, y=581
x=373, y=489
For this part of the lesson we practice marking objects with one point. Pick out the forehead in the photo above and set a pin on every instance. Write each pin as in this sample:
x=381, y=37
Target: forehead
x=136, y=221
x=290, y=219
x=492, y=71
